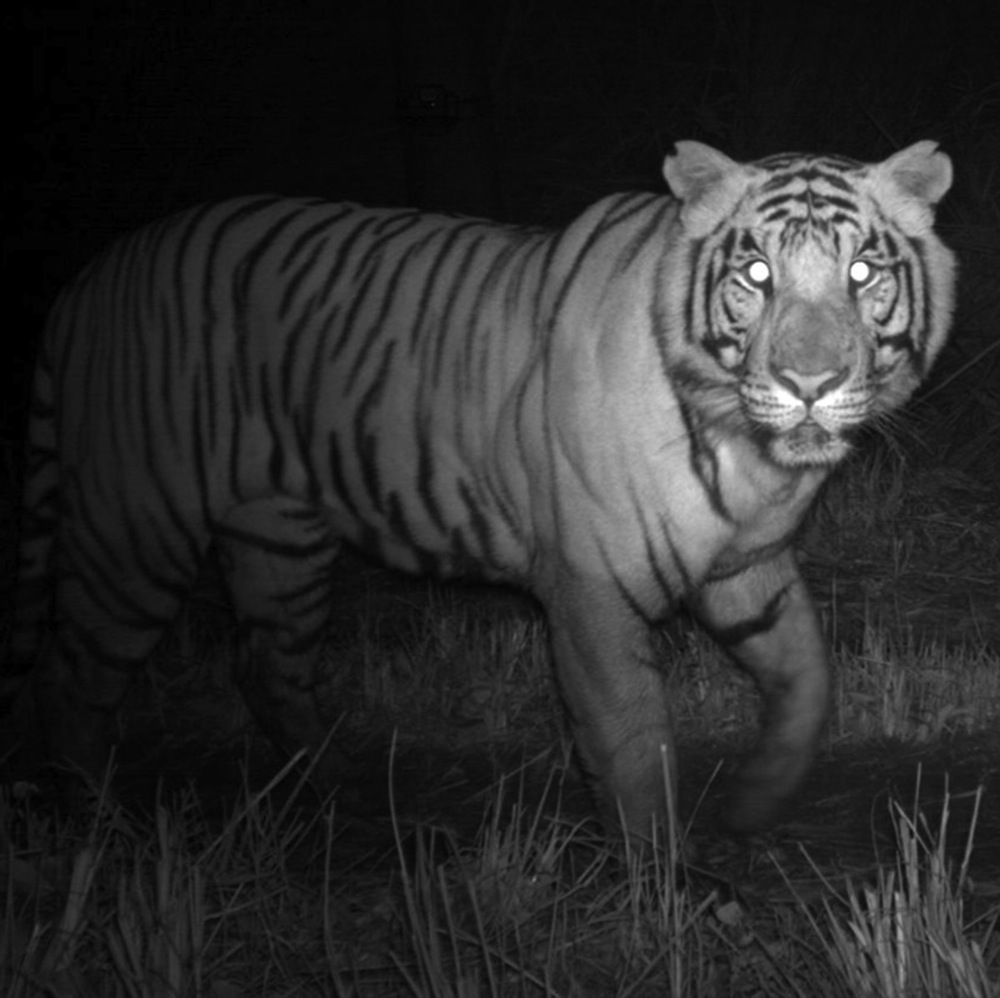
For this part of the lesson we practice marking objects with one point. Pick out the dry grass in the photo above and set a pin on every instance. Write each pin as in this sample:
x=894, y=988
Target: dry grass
x=273, y=897
x=535, y=905
x=906, y=935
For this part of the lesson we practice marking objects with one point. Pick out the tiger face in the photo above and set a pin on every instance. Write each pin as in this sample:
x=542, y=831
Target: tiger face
x=815, y=311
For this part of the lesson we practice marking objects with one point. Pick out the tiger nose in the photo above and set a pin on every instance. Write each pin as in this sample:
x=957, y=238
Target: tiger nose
x=808, y=386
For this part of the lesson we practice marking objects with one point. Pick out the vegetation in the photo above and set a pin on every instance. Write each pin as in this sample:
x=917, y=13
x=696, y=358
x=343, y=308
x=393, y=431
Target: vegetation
x=891, y=893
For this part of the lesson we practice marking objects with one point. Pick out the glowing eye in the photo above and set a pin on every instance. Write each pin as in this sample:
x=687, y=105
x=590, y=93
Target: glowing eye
x=759, y=273
x=862, y=273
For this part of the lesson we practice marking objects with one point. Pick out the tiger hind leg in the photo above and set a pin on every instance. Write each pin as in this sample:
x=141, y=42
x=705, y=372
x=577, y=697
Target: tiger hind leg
x=103, y=636
x=276, y=555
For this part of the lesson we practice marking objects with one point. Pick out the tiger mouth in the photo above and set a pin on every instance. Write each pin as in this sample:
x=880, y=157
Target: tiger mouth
x=808, y=443
x=809, y=434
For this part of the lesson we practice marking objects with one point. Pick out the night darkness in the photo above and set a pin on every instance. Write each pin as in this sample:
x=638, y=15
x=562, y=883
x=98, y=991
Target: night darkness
x=525, y=111
x=528, y=111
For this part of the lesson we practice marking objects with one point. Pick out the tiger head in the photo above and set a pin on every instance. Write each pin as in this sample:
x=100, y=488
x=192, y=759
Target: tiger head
x=817, y=293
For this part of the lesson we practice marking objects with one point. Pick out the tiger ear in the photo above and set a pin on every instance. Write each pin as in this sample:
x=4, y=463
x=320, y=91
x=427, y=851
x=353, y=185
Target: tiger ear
x=705, y=181
x=695, y=169
x=921, y=171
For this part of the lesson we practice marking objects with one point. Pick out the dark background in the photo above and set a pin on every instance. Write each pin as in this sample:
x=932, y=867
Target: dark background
x=523, y=110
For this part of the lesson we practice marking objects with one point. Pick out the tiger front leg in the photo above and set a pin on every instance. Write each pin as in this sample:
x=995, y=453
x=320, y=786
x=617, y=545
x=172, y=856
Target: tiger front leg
x=616, y=698
x=765, y=618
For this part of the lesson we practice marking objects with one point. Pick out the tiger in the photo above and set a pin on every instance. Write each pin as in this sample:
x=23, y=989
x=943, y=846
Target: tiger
x=623, y=417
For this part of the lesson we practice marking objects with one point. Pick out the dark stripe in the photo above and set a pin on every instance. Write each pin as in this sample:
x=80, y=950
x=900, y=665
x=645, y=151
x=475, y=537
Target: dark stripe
x=890, y=307
x=778, y=215
x=687, y=580
x=778, y=201
x=499, y=266
x=448, y=326
x=736, y=634
x=846, y=205
x=427, y=561
x=387, y=298
x=900, y=342
x=921, y=302
x=265, y=542
x=841, y=219
x=274, y=420
x=241, y=276
x=702, y=459
x=551, y=246
x=290, y=359
x=358, y=296
x=178, y=255
x=653, y=561
x=214, y=278
x=693, y=261
x=199, y=464
x=303, y=422
x=461, y=560
x=300, y=244
x=747, y=242
x=366, y=444
x=654, y=226
x=709, y=281
x=179, y=529
x=397, y=520
x=425, y=476
x=599, y=230
x=478, y=522
x=431, y=281
x=628, y=597
x=234, y=417
x=343, y=258
x=388, y=234
x=336, y=470
x=870, y=242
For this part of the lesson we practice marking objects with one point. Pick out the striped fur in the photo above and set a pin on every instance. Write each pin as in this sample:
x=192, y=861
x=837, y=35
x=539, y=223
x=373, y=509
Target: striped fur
x=629, y=413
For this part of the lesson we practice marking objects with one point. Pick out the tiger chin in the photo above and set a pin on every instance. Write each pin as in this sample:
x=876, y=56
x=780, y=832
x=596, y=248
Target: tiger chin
x=626, y=415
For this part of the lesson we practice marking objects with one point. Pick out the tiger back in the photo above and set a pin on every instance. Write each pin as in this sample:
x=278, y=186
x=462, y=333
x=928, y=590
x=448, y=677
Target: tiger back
x=619, y=416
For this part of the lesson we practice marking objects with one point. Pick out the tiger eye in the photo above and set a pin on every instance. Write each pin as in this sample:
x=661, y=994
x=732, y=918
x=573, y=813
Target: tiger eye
x=861, y=272
x=759, y=272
